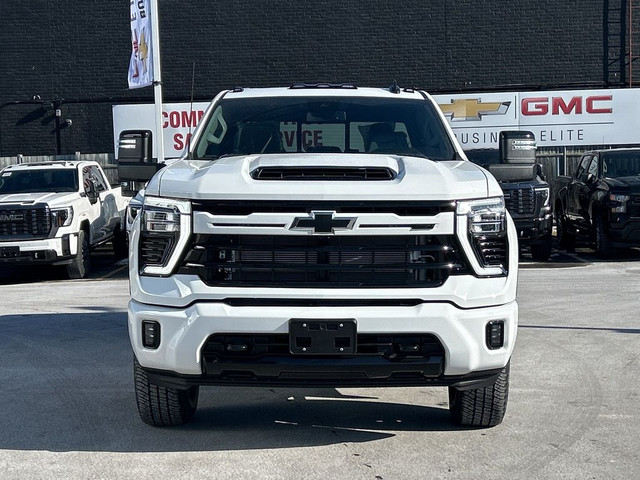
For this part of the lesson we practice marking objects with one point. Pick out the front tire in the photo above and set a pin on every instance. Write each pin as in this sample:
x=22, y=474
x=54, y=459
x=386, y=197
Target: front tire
x=566, y=239
x=481, y=407
x=541, y=251
x=120, y=243
x=162, y=406
x=604, y=248
x=81, y=265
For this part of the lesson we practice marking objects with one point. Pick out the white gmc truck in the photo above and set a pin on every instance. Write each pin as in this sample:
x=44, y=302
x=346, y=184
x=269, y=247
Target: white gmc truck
x=321, y=235
x=55, y=213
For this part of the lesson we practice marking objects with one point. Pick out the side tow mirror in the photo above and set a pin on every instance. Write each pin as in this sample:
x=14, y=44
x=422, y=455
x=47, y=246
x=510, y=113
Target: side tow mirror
x=135, y=160
x=517, y=146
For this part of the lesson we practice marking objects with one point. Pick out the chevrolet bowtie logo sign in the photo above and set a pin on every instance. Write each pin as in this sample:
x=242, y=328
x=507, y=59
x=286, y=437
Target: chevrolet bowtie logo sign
x=472, y=109
x=323, y=223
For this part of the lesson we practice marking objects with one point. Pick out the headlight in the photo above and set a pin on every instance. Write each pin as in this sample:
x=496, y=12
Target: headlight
x=543, y=194
x=164, y=229
x=62, y=217
x=157, y=219
x=484, y=216
x=487, y=233
x=618, y=203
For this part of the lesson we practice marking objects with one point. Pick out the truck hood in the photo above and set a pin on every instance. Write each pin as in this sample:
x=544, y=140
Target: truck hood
x=52, y=199
x=412, y=178
x=624, y=184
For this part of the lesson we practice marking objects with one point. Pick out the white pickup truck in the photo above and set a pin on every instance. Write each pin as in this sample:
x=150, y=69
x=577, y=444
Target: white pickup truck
x=322, y=235
x=55, y=213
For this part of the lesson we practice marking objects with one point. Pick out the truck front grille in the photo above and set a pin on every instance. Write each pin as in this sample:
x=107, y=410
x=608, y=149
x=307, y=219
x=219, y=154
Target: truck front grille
x=633, y=206
x=24, y=222
x=492, y=250
x=155, y=248
x=330, y=261
x=232, y=346
x=520, y=200
x=246, y=207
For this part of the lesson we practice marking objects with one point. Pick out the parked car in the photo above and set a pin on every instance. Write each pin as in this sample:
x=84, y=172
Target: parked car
x=600, y=201
x=55, y=213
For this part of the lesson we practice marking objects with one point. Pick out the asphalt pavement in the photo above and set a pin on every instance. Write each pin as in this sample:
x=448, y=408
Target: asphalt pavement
x=67, y=406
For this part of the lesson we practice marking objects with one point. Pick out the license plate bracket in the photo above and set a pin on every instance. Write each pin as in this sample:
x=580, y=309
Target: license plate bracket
x=322, y=337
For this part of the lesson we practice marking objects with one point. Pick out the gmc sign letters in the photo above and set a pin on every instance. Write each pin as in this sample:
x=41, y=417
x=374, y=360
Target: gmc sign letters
x=594, y=104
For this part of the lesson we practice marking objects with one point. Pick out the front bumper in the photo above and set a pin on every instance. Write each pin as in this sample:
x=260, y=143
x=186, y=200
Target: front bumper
x=57, y=250
x=532, y=230
x=183, y=359
x=625, y=232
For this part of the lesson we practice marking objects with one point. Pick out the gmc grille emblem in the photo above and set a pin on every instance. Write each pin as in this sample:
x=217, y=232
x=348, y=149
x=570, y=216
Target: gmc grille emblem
x=322, y=222
x=12, y=217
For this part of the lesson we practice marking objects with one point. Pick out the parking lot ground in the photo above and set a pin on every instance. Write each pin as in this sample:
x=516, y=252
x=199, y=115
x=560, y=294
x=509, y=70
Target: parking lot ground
x=67, y=407
x=103, y=265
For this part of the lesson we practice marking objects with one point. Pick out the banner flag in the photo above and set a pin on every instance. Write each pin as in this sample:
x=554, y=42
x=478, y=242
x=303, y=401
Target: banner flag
x=141, y=63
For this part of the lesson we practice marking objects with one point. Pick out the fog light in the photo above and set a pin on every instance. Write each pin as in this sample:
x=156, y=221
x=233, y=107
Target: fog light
x=495, y=334
x=150, y=334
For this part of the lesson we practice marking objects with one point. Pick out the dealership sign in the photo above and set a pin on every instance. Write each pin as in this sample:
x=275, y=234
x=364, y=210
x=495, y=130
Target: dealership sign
x=179, y=121
x=565, y=117
x=562, y=118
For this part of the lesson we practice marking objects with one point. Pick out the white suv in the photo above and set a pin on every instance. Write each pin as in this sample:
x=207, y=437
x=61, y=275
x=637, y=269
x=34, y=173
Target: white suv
x=323, y=235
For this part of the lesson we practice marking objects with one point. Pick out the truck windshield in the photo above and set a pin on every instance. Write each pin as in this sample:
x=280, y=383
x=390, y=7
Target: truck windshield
x=621, y=164
x=324, y=125
x=39, y=180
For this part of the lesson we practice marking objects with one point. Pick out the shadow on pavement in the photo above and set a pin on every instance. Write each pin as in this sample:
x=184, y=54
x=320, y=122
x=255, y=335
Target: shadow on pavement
x=67, y=385
x=103, y=264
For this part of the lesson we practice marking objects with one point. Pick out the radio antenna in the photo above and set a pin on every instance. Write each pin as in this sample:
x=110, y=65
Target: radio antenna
x=193, y=81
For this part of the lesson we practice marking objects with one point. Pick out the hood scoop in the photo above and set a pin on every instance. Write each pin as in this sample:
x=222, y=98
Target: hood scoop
x=323, y=173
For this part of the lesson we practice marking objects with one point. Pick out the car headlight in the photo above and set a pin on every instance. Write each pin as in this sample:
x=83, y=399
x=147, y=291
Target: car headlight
x=487, y=232
x=618, y=203
x=543, y=194
x=62, y=217
x=485, y=216
x=165, y=226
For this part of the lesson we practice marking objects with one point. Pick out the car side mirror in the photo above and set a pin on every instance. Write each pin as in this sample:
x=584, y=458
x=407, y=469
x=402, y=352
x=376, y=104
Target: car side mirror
x=517, y=146
x=135, y=160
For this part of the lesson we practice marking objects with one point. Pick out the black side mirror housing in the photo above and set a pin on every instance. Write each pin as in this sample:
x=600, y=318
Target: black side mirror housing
x=517, y=146
x=135, y=159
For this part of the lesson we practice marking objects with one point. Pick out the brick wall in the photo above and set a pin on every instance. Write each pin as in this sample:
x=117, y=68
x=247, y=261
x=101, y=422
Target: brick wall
x=77, y=53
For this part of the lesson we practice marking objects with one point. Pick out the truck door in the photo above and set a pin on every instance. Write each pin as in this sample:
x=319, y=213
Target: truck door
x=584, y=192
x=102, y=212
x=575, y=187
